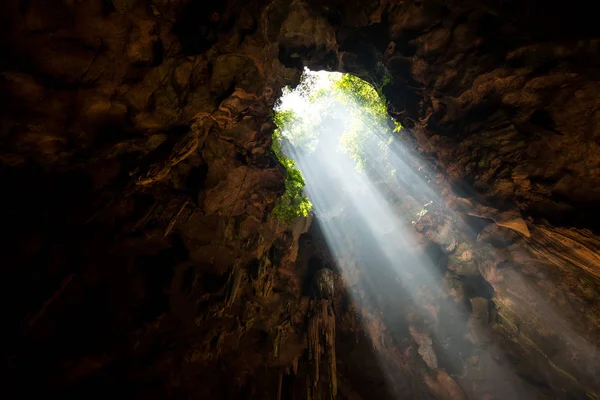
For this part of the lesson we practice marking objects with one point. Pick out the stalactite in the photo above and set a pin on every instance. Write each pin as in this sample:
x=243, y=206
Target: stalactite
x=314, y=356
x=277, y=342
x=173, y=220
x=146, y=217
x=295, y=366
x=264, y=279
x=321, y=340
x=279, y=385
x=233, y=286
x=329, y=333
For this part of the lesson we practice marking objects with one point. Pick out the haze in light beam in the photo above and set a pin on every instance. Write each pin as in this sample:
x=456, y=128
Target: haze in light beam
x=368, y=219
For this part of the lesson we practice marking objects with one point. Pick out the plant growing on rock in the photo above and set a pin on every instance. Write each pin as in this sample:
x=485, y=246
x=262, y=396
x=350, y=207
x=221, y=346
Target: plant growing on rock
x=294, y=203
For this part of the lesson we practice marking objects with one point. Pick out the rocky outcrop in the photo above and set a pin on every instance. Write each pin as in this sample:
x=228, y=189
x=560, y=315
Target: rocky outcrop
x=140, y=256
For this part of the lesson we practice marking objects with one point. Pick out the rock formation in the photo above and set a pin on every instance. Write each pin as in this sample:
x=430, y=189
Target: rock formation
x=140, y=257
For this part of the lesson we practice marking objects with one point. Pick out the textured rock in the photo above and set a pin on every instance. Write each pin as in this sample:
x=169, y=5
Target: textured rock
x=150, y=266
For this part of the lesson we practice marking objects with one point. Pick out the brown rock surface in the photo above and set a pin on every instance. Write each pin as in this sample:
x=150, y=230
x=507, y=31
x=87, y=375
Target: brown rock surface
x=139, y=254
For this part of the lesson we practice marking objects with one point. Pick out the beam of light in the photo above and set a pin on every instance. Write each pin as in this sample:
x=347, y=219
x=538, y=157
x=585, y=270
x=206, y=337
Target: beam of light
x=367, y=218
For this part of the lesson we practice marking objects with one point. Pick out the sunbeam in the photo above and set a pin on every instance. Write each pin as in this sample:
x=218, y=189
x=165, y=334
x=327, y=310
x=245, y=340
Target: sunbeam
x=372, y=197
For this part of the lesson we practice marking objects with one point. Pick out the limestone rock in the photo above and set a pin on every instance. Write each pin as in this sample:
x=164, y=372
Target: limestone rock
x=138, y=185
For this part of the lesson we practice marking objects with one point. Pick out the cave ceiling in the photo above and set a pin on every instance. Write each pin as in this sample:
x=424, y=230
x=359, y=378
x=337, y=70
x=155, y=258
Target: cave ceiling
x=140, y=256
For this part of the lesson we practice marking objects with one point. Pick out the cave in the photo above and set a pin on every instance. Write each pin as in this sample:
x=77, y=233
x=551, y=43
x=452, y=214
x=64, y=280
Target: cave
x=145, y=255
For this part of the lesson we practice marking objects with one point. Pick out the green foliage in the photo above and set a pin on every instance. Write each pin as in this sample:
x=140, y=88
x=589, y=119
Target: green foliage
x=387, y=79
x=366, y=128
x=369, y=123
x=297, y=130
x=293, y=203
x=363, y=97
x=423, y=212
x=284, y=118
x=397, y=127
x=354, y=143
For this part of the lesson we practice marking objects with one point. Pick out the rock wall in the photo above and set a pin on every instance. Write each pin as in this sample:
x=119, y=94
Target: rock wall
x=139, y=253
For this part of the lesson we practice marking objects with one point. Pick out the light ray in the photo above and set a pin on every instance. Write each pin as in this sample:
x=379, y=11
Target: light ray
x=367, y=217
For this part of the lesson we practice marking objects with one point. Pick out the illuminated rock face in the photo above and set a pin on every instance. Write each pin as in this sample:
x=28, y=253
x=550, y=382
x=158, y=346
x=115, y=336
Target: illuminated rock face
x=139, y=256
